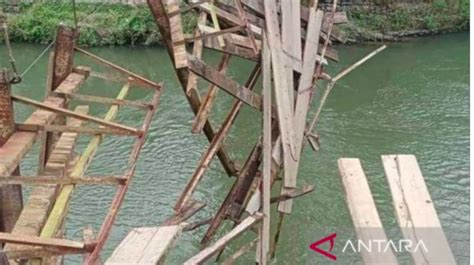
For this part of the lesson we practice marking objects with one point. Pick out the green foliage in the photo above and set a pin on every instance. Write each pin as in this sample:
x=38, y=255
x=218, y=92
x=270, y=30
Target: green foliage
x=109, y=24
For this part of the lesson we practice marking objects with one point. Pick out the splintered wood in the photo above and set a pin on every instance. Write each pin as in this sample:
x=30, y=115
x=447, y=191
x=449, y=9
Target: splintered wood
x=288, y=43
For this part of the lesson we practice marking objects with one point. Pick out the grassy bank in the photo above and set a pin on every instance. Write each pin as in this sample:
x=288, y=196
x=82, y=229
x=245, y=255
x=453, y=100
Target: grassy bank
x=401, y=20
x=115, y=24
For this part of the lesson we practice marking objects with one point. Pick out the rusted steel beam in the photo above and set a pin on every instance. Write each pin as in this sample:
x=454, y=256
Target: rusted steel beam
x=192, y=94
x=248, y=171
x=122, y=189
x=11, y=195
x=205, y=108
x=207, y=157
x=63, y=55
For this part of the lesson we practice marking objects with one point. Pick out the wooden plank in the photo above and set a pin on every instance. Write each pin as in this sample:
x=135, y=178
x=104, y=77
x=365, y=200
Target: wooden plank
x=60, y=208
x=63, y=55
x=291, y=40
x=231, y=49
x=181, y=216
x=41, y=198
x=363, y=211
x=303, y=101
x=192, y=94
x=242, y=251
x=215, y=21
x=145, y=246
x=205, y=108
x=208, y=252
x=285, y=113
x=27, y=127
x=415, y=211
x=37, y=241
x=230, y=86
x=216, y=142
x=55, y=180
x=177, y=36
x=89, y=237
x=107, y=101
x=264, y=237
x=197, y=51
x=215, y=33
x=73, y=114
x=293, y=193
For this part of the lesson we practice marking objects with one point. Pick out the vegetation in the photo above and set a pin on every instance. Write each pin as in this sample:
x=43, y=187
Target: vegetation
x=115, y=24
x=437, y=16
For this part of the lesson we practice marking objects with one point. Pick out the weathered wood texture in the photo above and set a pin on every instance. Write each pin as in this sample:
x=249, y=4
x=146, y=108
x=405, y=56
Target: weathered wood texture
x=145, y=246
x=363, y=211
x=41, y=198
x=415, y=211
x=208, y=252
x=177, y=36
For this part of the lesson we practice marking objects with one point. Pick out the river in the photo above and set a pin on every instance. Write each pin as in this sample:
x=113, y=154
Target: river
x=413, y=98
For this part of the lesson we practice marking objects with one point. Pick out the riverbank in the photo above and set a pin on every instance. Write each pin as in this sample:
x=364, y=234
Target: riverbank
x=115, y=24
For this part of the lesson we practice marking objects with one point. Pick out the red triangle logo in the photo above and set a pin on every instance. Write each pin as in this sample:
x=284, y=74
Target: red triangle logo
x=315, y=246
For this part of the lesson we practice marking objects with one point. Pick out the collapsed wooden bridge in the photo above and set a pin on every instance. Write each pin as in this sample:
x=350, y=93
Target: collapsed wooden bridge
x=288, y=44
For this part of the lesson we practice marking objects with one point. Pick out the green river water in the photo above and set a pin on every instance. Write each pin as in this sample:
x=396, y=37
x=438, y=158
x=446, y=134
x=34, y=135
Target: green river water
x=412, y=98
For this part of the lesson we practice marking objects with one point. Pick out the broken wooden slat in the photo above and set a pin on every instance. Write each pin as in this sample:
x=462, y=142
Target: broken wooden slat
x=73, y=114
x=303, y=101
x=205, y=108
x=243, y=16
x=177, y=36
x=291, y=40
x=363, y=211
x=145, y=245
x=243, y=250
x=208, y=252
x=230, y=86
x=414, y=209
x=215, y=33
x=231, y=49
x=39, y=252
x=105, y=100
x=285, y=113
x=197, y=51
x=181, y=216
x=294, y=193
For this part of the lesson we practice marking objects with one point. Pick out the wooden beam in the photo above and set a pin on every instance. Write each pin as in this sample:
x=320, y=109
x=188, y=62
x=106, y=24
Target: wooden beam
x=44, y=242
x=181, y=216
x=264, y=236
x=216, y=142
x=240, y=252
x=205, y=108
x=415, y=211
x=231, y=49
x=39, y=252
x=230, y=86
x=363, y=211
x=146, y=245
x=63, y=55
x=41, y=198
x=11, y=196
x=303, y=102
x=26, y=127
x=60, y=208
x=73, y=114
x=208, y=252
x=59, y=180
x=177, y=36
x=215, y=33
x=197, y=51
x=107, y=101
x=191, y=92
x=284, y=110
x=294, y=193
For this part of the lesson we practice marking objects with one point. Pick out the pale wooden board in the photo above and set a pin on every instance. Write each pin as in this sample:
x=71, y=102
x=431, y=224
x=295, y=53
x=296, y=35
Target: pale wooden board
x=415, y=210
x=363, y=211
x=145, y=246
x=177, y=36
x=284, y=110
x=303, y=100
x=208, y=252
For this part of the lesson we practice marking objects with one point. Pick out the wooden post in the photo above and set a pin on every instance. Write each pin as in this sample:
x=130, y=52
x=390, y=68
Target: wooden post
x=11, y=195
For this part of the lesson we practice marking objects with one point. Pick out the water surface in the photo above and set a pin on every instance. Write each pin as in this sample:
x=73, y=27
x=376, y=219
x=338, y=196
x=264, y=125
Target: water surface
x=413, y=98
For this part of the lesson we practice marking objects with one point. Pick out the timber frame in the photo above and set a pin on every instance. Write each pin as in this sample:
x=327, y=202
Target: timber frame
x=33, y=231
